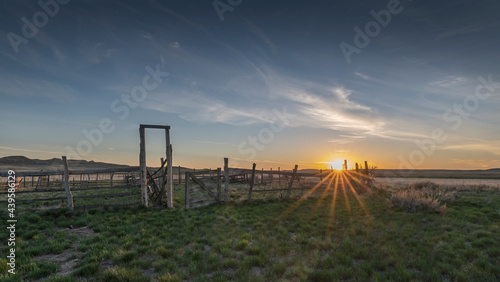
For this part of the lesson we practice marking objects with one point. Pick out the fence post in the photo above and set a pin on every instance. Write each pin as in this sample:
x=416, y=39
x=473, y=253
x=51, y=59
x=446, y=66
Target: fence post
x=357, y=167
x=291, y=181
x=366, y=168
x=279, y=176
x=180, y=176
x=226, y=179
x=112, y=174
x=251, y=183
x=186, y=184
x=170, y=177
x=142, y=162
x=219, y=183
x=66, y=184
x=345, y=164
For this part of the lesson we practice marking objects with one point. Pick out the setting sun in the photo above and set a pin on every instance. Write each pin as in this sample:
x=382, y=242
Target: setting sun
x=336, y=164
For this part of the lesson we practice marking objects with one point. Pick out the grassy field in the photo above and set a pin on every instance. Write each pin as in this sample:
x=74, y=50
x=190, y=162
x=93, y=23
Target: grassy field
x=342, y=237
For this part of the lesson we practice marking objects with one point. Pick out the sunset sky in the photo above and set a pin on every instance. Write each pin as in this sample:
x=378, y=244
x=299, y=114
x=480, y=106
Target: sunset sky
x=264, y=81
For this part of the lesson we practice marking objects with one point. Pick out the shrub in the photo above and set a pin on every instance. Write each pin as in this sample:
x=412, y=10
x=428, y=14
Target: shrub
x=423, y=196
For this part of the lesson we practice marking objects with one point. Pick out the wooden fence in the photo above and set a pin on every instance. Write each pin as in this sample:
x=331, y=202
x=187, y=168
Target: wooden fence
x=205, y=187
x=76, y=189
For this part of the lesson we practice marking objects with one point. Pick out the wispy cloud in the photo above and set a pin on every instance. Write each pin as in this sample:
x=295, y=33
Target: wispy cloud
x=448, y=81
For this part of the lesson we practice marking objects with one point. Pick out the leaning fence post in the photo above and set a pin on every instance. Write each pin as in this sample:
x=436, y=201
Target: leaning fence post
x=291, y=181
x=66, y=183
x=251, y=183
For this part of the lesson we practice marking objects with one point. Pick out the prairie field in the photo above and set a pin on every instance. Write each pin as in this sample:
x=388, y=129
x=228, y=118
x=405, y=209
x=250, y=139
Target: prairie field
x=328, y=236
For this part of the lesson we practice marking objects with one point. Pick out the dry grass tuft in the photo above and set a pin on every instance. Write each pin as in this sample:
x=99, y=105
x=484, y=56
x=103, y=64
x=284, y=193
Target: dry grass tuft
x=423, y=196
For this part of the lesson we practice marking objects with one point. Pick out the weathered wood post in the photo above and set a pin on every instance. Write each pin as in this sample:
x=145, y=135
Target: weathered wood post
x=186, y=185
x=345, y=164
x=251, y=183
x=291, y=181
x=357, y=167
x=170, y=184
x=162, y=180
x=367, y=172
x=180, y=175
x=321, y=174
x=279, y=176
x=226, y=179
x=142, y=162
x=69, y=196
x=111, y=178
x=219, y=183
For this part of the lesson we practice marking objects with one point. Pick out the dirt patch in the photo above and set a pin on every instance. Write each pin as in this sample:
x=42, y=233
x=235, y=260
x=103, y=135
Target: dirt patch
x=69, y=258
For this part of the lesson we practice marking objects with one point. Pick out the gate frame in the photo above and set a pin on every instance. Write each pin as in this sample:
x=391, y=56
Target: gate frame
x=142, y=162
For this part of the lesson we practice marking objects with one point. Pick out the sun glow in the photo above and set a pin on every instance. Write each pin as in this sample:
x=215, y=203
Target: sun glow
x=336, y=164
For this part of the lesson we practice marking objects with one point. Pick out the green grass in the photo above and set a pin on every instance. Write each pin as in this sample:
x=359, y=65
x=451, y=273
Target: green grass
x=268, y=240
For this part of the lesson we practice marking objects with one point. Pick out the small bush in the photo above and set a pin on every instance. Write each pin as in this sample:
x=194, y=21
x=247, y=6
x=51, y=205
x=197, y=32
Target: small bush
x=423, y=196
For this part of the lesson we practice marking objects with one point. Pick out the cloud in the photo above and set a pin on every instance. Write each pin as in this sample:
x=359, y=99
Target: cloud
x=448, y=81
x=198, y=108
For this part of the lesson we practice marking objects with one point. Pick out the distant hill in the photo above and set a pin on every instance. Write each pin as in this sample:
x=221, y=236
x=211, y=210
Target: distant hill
x=22, y=163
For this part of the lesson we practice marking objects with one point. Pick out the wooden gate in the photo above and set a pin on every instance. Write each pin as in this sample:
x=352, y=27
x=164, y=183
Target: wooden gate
x=203, y=190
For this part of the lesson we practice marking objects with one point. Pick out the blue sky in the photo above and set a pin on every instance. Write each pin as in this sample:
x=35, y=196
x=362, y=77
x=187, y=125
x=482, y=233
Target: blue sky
x=223, y=82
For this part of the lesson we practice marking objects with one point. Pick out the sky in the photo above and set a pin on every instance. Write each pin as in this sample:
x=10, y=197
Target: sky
x=400, y=84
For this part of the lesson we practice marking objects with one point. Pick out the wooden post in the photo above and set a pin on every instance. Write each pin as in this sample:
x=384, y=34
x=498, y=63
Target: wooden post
x=226, y=179
x=357, y=167
x=279, y=176
x=162, y=181
x=291, y=181
x=180, y=175
x=251, y=183
x=111, y=178
x=69, y=196
x=366, y=168
x=219, y=183
x=142, y=161
x=186, y=184
x=321, y=174
x=170, y=178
